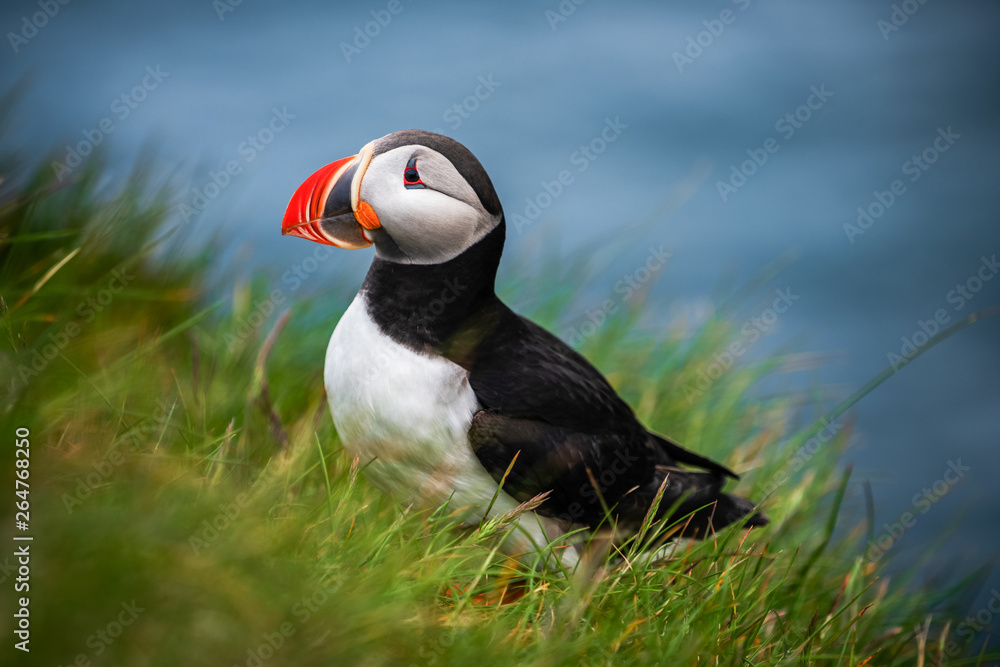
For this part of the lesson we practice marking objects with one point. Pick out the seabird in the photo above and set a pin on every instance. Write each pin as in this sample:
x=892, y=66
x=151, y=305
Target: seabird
x=440, y=390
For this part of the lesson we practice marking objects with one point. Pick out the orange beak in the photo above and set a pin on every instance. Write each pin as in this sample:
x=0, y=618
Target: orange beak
x=327, y=207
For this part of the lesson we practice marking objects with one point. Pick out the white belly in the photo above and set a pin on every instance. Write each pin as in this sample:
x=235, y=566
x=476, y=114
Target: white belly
x=406, y=416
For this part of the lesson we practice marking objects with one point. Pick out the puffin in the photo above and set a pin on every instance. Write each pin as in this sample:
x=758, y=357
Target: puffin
x=444, y=395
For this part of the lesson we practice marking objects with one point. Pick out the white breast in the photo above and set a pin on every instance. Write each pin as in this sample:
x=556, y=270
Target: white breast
x=406, y=416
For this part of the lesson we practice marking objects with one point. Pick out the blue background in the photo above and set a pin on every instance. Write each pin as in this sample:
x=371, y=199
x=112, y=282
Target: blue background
x=554, y=84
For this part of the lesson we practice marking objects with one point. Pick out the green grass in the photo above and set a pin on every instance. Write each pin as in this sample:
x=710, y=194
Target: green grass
x=186, y=463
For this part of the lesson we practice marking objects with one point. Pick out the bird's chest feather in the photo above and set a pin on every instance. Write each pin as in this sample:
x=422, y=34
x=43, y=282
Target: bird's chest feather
x=405, y=415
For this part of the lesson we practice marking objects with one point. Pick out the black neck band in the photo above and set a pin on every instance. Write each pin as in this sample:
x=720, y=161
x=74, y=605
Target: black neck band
x=424, y=305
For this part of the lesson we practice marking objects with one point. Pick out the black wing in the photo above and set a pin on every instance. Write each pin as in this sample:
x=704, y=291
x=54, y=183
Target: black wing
x=571, y=432
x=524, y=371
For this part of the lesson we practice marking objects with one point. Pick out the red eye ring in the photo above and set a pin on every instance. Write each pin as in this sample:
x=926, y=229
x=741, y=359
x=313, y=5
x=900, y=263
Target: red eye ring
x=411, y=177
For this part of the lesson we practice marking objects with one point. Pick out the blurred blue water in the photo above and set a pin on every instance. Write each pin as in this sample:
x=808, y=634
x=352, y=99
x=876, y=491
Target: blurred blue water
x=691, y=113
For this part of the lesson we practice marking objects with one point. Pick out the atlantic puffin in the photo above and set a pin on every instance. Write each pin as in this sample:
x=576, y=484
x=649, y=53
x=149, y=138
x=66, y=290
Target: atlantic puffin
x=444, y=394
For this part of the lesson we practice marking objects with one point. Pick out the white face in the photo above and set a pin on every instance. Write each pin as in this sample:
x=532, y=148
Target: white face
x=430, y=224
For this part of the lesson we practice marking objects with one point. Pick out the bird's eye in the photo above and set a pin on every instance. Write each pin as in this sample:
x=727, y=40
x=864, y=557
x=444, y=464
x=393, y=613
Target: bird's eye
x=411, y=177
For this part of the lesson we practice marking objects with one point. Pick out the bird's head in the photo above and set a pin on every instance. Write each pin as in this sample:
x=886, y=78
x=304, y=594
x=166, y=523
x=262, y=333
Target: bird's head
x=421, y=198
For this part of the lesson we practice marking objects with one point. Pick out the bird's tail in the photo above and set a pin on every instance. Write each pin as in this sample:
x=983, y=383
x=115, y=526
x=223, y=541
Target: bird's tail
x=695, y=502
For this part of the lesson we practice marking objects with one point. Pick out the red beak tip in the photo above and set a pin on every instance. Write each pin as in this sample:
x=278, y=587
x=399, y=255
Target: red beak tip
x=306, y=206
